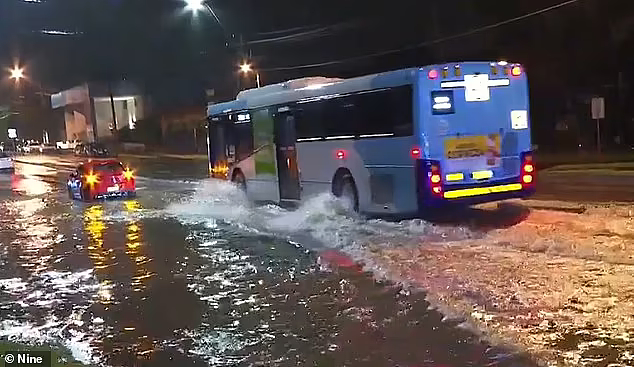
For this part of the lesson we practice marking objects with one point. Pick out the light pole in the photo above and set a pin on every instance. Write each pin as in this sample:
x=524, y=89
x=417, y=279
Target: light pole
x=246, y=68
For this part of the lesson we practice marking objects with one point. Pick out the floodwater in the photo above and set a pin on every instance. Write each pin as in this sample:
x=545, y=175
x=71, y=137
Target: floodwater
x=190, y=273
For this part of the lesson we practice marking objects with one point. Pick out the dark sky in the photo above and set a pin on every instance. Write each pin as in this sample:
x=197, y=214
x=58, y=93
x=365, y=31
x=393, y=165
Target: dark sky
x=65, y=42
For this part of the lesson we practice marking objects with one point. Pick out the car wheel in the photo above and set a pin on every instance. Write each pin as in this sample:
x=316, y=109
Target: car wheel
x=346, y=190
x=240, y=181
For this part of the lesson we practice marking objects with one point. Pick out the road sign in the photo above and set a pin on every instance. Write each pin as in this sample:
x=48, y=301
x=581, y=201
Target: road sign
x=13, y=133
x=598, y=108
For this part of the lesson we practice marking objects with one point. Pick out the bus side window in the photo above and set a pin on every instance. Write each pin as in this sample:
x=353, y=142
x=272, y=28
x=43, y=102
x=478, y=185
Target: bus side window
x=308, y=120
x=243, y=138
x=387, y=111
x=402, y=107
x=341, y=118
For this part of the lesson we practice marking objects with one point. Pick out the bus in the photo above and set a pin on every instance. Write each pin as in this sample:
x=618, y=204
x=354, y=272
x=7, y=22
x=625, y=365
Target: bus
x=395, y=143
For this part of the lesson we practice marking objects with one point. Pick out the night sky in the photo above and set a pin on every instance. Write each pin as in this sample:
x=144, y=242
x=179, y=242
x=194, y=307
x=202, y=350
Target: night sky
x=576, y=49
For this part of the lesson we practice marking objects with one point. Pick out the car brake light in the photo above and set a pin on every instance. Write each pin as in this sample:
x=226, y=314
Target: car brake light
x=128, y=174
x=91, y=178
x=516, y=71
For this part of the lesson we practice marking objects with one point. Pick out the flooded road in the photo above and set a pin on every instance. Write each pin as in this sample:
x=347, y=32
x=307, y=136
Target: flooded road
x=190, y=274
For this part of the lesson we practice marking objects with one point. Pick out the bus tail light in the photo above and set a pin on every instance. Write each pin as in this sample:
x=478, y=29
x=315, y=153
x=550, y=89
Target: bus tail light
x=528, y=170
x=415, y=153
x=341, y=154
x=432, y=74
x=435, y=179
x=516, y=70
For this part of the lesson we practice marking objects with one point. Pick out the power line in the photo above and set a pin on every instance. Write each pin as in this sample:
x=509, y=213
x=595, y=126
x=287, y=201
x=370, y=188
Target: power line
x=428, y=43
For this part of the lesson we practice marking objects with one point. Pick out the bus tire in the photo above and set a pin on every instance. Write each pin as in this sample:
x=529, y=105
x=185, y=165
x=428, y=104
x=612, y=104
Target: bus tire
x=239, y=180
x=346, y=189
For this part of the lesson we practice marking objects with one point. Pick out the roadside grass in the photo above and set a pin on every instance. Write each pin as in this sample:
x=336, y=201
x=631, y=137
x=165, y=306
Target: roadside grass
x=571, y=161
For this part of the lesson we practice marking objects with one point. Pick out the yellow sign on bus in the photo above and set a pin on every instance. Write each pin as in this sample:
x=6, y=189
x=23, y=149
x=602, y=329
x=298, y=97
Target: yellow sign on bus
x=473, y=146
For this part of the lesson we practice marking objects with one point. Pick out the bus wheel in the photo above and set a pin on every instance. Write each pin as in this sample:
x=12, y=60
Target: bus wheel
x=346, y=190
x=240, y=181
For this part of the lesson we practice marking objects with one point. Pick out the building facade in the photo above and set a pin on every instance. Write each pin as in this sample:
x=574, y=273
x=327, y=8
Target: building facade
x=88, y=110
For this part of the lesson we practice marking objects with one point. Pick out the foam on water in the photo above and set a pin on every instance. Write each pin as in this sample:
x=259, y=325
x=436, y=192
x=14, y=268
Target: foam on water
x=213, y=199
x=321, y=221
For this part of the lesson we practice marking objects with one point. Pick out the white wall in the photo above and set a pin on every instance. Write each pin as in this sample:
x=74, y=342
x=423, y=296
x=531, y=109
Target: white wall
x=128, y=110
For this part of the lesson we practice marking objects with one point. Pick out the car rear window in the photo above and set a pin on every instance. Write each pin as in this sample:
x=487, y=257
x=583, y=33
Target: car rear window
x=109, y=167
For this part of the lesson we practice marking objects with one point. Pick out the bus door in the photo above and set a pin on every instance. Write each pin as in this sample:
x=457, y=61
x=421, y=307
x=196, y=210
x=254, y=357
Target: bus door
x=221, y=148
x=286, y=155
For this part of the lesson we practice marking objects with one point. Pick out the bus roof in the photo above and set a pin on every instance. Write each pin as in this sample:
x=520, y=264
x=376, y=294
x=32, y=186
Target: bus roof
x=298, y=89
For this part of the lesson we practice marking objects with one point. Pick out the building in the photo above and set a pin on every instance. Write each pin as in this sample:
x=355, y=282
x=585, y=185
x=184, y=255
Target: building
x=87, y=110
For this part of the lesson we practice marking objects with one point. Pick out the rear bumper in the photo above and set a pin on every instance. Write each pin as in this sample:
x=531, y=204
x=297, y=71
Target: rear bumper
x=497, y=191
x=468, y=194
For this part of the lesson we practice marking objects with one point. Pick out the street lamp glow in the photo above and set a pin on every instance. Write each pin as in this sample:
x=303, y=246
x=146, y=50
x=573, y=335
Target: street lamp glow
x=245, y=68
x=195, y=5
x=17, y=73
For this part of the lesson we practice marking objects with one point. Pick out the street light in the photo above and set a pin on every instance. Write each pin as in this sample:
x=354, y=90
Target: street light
x=246, y=68
x=195, y=5
x=17, y=73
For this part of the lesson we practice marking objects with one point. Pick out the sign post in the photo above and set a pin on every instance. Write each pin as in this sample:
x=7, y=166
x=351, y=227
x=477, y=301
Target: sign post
x=598, y=113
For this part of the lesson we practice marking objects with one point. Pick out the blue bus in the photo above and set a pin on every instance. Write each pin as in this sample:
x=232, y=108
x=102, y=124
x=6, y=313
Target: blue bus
x=395, y=143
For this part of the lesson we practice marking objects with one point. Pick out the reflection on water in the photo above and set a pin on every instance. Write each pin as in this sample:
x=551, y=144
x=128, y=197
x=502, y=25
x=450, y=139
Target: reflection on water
x=30, y=180
x=121, y=288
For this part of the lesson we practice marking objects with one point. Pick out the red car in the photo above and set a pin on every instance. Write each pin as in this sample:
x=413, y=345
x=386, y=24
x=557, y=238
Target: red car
x=104, y=179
